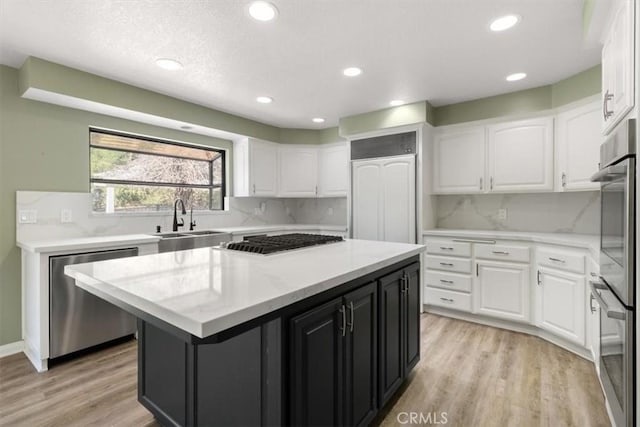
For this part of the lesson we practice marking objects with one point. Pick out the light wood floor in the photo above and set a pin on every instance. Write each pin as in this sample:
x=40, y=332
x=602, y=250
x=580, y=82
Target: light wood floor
x=479, y=376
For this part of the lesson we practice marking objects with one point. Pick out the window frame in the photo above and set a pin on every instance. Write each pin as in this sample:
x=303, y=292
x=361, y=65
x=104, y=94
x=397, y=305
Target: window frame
x=210, y=186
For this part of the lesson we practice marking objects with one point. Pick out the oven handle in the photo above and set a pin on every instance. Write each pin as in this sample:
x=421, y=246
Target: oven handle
x=611, y=313
x=610, y=173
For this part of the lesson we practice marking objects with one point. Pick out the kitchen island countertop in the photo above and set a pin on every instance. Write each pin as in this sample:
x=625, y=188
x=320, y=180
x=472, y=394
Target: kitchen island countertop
x=208, y=290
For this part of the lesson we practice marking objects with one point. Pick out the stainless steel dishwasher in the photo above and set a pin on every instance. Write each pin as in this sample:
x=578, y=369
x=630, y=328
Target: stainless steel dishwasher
x=77, y=319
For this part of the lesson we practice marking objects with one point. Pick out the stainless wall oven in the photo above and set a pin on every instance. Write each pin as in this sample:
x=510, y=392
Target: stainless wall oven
x=615, y=290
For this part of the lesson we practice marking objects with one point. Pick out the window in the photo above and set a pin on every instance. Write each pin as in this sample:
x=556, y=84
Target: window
x=139, y=174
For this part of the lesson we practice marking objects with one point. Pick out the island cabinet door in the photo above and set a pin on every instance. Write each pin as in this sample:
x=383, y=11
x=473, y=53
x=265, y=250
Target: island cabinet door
x=391, y=335
x=317, y=363
x=361, y=366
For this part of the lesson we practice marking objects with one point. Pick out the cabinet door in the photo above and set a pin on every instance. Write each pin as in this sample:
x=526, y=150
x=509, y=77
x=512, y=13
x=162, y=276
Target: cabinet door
x=398, y=188
x=412, y=317
x=298, y=169
x=263, y=161
x=367, y=214
x=502, y=290
x=521, y=156
x=561, y=304
x=333, y=171
x=459, y=161
x=317, y=371
x=361, y=387
x=618, y=66
x=391, y=372
x=578, y=143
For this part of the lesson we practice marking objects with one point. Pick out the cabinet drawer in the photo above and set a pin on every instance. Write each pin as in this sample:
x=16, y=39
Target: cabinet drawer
x=451, y=281
x=563, y=260
x=503, y=252
x=447, y=247
x=449, y=299
x=459, y=265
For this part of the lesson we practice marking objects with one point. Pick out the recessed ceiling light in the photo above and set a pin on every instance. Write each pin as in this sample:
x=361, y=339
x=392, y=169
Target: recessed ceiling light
x=318, y=120
x=504, y=22
x=264, y=99
x=352, y=71
x=396, y=102
x=168, y=64
x=516, y=76
x=263, y=11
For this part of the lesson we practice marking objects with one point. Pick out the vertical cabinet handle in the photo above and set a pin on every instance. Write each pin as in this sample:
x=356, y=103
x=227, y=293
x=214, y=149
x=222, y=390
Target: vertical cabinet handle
x=607, y=97
x=351, y=316
x=538, y=278
x=481, y=183
x=477, y=270
x=316, y=190
x=591, y=307
x=343, y=328
x=491, y=183
x=254, y=189
x=564, y=180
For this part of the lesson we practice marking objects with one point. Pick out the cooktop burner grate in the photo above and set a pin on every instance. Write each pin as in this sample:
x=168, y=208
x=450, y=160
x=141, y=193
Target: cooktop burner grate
x=270, y=244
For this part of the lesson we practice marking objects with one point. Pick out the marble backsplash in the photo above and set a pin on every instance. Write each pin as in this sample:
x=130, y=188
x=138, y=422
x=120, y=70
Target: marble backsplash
x=571, y=212
x=242, y=211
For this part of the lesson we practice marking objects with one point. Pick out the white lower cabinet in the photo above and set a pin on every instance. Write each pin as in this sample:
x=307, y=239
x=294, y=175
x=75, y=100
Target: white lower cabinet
x=561, y=304
x=502, y=290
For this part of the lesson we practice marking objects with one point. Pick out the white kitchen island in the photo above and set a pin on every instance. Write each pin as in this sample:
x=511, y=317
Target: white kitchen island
x=324, y=334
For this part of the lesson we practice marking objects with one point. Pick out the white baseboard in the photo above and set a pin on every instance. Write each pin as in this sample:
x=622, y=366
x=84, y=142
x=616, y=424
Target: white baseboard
x=11, y=348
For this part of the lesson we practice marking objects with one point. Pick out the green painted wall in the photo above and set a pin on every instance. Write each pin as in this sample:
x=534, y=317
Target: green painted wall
x=579, y=86
x=572, y=89
x=389, y=117
x=41, y=74
x=44, y=147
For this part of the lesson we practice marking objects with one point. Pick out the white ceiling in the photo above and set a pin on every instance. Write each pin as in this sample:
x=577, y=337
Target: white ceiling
x=435, y=50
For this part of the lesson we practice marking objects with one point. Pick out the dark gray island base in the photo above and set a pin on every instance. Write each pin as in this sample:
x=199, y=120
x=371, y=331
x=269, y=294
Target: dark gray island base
x=335, y=358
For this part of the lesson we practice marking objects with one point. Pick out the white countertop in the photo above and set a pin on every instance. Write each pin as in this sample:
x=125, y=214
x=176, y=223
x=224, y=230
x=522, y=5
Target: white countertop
x=81, y=243
x=590, y=242
x=205, y=291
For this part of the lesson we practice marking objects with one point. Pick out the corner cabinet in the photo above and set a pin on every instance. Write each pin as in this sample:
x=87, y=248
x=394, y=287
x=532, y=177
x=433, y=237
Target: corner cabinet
x=298, y=171
x=459, y=159
x=502, y=290
x=521, y=156
x=399, y=329
x=578, y=140
x=255, y=165
x=618, y=67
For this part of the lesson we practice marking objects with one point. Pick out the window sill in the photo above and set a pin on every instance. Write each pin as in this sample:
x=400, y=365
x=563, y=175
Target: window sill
x=155, y=214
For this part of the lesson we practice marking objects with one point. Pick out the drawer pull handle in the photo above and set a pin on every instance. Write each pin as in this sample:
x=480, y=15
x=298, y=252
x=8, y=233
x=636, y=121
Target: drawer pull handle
x=500, y=252
x=449, y=282
x=444, y=248
x=446, y=299
x=557, y=260
x=446, y=264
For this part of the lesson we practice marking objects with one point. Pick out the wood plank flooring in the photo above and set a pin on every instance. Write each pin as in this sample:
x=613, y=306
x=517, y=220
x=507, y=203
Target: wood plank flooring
x=478, y=375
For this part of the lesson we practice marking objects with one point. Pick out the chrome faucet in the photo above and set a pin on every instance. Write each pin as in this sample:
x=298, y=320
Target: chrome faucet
x=177, y=224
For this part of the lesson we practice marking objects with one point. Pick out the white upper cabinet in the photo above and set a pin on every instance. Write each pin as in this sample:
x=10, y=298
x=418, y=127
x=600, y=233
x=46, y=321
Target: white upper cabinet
x=618, y=67
x=578, y=140
x=521, y=156
x=255, y=165
x=333, y=170
x=298, y=171
x=459, y=161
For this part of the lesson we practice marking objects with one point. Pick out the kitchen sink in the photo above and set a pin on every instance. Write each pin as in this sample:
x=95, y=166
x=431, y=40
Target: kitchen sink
x=171, y=242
